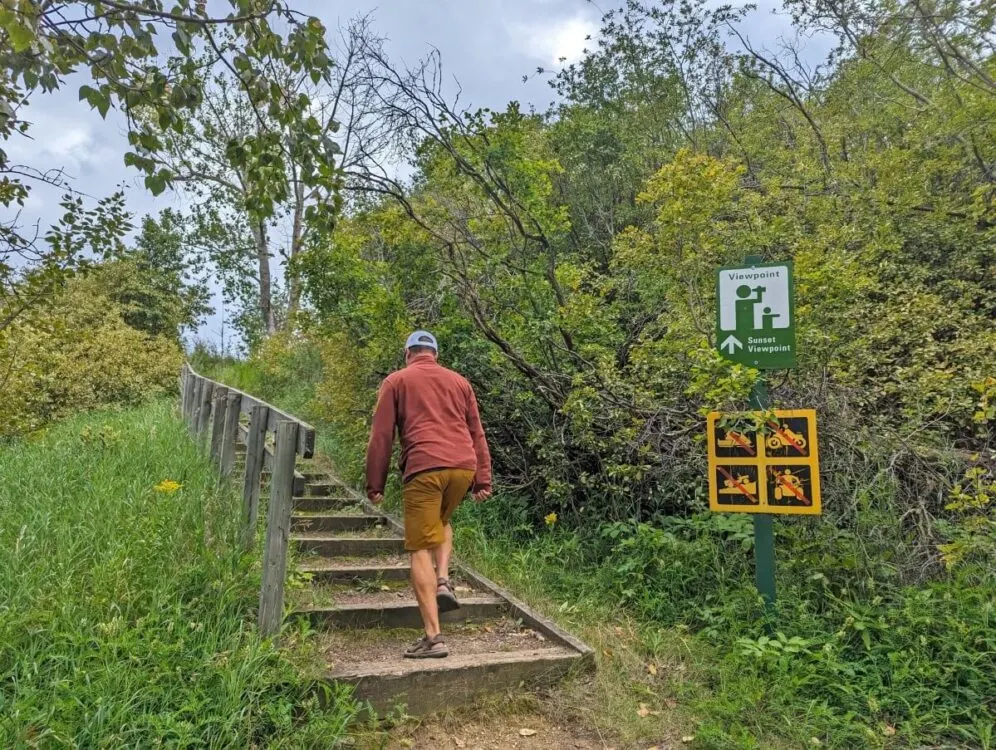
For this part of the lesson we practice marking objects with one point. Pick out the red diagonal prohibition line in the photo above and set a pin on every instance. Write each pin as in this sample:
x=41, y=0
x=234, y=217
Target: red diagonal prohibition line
x=785, y=437
x=743, y=443
x=791, y=488
x=737, y=484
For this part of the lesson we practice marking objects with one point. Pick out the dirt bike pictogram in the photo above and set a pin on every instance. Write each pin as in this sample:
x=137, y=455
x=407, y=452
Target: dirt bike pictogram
x=785, y=437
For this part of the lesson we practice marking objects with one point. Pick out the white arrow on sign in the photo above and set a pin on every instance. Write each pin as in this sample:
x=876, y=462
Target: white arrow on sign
x=731, y=343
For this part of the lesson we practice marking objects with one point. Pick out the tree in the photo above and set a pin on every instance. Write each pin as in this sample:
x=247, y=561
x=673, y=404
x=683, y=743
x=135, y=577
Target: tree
x=161, y=285
x=240, y=240
x=33, y=269
x=117, y=44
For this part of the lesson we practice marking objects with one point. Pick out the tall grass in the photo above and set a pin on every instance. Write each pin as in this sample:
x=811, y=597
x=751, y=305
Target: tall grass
x=126, y=609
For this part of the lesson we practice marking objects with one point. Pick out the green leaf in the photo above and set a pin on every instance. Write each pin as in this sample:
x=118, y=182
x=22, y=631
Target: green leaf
x=182, y=41
x=96, y=98
x=155, y=183
x=21, y=34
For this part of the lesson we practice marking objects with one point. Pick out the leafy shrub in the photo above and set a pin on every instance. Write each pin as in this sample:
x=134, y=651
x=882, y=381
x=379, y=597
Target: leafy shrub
x=615, y=427
x=78, y=353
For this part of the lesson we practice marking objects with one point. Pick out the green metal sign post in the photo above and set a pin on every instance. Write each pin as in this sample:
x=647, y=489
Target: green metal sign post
x=755, y=323
x=755, y=326
x=764, y=524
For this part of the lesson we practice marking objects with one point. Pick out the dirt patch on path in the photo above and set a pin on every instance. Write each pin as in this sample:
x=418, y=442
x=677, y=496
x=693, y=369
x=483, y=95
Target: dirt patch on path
x=552, y=720
x=518, y=731
x=529, y=731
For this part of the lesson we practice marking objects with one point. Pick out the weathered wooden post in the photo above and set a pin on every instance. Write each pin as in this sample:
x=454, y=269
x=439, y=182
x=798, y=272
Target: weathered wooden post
x=271, y=595
x=185, y=383
x=189, y=402
x=184, y=389
x=204, y=407
x=193, y=383
x=217, y=422
x=189, y=386
x=255, y=445
x=233, y=406
x=195, y=415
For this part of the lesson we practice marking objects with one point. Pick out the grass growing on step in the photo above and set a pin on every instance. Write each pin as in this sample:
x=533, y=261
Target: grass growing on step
x=126, y=611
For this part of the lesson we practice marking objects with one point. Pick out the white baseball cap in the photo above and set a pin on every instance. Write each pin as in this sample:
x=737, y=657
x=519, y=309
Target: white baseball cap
x=422, y=338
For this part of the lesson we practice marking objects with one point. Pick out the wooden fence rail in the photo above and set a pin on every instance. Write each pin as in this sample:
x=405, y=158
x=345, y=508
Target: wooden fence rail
x=274, y=440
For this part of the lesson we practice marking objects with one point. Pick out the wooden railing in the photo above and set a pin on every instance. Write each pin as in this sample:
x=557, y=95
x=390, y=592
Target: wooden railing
x=222, y=417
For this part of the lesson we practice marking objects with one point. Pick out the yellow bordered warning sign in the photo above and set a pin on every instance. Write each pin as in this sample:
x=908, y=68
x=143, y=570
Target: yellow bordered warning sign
x=764, y=462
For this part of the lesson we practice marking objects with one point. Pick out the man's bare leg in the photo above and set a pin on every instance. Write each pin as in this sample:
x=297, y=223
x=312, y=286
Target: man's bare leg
x=424, y=583
x=442, y=553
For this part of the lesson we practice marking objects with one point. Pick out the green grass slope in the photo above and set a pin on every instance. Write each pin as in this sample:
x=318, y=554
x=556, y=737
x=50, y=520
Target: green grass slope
x=126, y=608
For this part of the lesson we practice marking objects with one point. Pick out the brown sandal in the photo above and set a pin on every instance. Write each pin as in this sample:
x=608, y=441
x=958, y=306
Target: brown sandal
x=446, y=600
x=428, y=648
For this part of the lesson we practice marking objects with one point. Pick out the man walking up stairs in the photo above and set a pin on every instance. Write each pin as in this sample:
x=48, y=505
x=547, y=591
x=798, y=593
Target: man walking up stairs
x=444, y=454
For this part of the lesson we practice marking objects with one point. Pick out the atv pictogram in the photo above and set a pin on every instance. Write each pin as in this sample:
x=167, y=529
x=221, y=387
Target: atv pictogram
x=789, y=487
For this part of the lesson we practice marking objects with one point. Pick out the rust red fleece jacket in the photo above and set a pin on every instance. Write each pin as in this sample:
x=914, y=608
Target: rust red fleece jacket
x=435, y=413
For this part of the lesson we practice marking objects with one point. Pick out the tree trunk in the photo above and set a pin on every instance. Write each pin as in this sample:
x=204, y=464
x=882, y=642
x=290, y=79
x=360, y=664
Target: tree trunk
x=297, y=231
x=265, y=290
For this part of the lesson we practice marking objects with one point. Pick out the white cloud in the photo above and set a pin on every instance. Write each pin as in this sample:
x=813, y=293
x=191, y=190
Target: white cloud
x=73, y=142
x=557, y=42
x=73, y=139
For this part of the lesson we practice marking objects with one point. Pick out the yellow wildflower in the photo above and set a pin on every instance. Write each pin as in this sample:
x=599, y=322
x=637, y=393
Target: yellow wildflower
x=551, y=519
x=168, y=486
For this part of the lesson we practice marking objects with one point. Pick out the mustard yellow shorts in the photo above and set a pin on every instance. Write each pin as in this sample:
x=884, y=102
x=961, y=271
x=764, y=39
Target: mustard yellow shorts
x=430, y=499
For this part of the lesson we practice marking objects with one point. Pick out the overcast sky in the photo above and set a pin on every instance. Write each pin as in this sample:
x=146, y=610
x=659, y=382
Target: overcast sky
x=487, y=44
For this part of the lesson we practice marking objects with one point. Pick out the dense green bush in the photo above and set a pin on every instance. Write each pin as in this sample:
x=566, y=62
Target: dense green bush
x=78, y=353
x=567, y=264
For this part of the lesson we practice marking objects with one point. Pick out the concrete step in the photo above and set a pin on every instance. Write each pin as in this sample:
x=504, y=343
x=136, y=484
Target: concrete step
x=335, y=522
x=324, y=504
x=326, y=545
x=325, y=570
x=425, y=686
x=324, y=489
x=344, y=649
x=401, y=614
x=374, y=591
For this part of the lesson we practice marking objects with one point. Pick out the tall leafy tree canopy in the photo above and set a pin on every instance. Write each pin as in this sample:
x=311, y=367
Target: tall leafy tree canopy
x=152, y=60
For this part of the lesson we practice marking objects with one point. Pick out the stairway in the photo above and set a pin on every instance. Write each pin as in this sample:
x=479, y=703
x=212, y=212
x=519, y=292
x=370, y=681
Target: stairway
x=360, y=602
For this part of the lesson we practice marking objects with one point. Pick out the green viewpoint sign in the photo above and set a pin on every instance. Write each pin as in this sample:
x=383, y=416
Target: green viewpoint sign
x=754, y=315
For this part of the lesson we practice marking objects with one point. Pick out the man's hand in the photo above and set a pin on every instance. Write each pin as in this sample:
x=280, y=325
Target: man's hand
x=377, y=498
x=481, y=495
